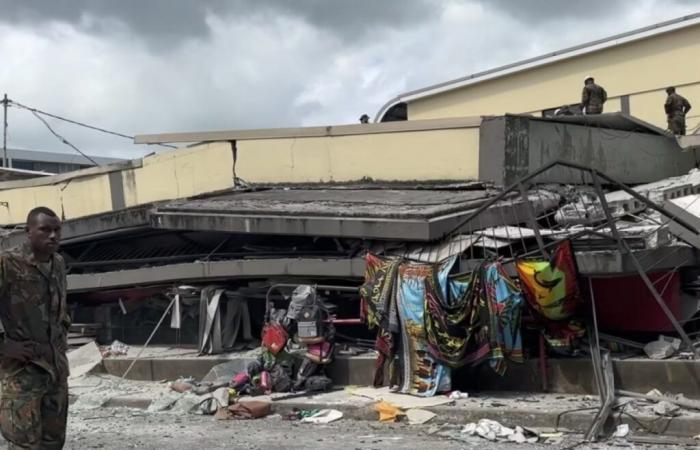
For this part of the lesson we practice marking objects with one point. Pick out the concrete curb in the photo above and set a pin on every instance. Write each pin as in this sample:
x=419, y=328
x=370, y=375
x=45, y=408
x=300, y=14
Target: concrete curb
x=575, y=421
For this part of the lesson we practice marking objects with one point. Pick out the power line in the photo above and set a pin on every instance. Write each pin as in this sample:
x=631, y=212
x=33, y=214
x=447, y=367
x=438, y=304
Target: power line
x=62, y=139
x=36, y=111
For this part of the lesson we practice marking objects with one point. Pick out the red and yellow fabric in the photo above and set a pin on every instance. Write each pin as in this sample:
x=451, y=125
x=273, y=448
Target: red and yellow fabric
x=551, y=287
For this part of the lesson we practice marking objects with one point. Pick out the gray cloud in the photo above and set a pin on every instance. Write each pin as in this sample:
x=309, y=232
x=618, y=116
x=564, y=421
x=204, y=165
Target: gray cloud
x=170, y=21
x=180, y=65
x=538, y=11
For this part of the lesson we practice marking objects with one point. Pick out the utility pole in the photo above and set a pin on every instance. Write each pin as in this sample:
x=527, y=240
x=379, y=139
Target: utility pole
x=4, y=131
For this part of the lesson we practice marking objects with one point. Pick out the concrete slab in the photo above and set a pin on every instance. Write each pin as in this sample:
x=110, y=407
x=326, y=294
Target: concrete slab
x=218, y=270
x=686, y=208
x=407, y=215
x=631, y=154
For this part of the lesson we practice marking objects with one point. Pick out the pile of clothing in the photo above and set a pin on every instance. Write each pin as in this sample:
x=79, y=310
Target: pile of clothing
x=276, y=369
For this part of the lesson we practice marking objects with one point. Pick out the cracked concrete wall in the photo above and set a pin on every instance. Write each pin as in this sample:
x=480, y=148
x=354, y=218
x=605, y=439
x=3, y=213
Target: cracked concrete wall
x=166, y=176
x=71, y=198
x=441, y=154
x=181, y=173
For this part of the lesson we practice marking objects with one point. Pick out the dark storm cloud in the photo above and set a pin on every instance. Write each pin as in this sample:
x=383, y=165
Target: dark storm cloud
x=539, y=11
x=173, y=20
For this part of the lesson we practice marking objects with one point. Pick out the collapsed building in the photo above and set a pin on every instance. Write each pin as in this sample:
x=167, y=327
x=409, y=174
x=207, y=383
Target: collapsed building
x=213, y=234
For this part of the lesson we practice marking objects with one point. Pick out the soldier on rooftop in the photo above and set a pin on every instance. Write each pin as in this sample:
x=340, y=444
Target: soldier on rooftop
x=593, y=97
x=676, y=108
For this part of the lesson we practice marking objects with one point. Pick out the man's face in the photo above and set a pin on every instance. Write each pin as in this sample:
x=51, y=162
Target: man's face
x=44, y=234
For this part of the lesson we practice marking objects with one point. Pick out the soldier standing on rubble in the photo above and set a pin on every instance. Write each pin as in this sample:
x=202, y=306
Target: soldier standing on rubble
x=593, y=97
x=676, y=108
x=33, y=362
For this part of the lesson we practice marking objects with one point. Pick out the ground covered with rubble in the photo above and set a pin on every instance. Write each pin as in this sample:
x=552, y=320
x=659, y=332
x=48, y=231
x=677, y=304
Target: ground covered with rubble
x=123, y=428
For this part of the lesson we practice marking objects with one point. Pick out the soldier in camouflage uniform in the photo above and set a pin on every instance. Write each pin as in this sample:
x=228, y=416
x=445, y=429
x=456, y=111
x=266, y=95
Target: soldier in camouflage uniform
x=33, y=363
x=593, y=97
x=676, y=108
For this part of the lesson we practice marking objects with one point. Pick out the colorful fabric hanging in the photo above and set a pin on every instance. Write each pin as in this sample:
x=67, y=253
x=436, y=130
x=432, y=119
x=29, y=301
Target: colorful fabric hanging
x=551, y=287
x=552, y=291
x=429, y=322
x=505, y=302
x=421, y=373
x=377, y=295
x=452, y=307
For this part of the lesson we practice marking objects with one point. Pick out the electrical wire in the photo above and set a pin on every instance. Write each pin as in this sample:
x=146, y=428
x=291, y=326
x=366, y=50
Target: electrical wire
x=36, y=111
x=62, y=139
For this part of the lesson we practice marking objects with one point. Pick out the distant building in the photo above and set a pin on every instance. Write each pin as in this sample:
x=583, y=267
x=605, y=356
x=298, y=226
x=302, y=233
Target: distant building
x=635, y=68
x=50, y=162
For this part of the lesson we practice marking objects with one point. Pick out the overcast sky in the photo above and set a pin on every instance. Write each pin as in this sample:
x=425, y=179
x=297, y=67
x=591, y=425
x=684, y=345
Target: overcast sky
x=151, y=66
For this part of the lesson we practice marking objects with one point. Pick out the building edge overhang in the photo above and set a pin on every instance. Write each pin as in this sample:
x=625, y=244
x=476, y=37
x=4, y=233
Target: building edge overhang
x=309, y=132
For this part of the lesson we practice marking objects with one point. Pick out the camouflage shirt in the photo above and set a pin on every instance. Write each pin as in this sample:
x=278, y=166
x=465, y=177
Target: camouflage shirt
x=33, y=309
x=593, y=97
x=676, y=105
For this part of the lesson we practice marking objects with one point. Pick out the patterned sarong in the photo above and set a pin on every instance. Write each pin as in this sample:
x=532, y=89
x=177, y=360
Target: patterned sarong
x=505, y=303
x=428, y=322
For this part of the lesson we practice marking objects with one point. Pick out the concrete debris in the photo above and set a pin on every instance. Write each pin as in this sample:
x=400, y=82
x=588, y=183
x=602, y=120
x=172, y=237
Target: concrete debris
x=552, y=438
x=667, y=409
x=456, y=395
x=621, y=431
x=226, y=371
x=117, y=348
x=658, y=192
x=212, y=402
x=584, y=209
x=419, y=416
x=166, y=402
x=663, y=348
x=494, y=431
x=688, y=209
x=656, y=396
x=84, y=359
x=183, y=385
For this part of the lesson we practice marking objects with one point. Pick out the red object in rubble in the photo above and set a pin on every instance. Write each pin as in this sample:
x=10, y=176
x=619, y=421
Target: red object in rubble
x=274, y=337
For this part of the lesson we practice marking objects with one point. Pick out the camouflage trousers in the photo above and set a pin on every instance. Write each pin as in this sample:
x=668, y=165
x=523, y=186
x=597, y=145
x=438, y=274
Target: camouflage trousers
x=677, y=124
x=33, y=410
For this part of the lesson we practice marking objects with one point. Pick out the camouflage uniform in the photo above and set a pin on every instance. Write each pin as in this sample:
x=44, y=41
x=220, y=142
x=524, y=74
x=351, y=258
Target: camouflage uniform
x=34, y=400
x=676, y=107
x=592, y=98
